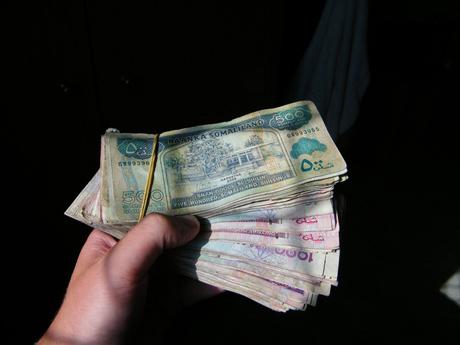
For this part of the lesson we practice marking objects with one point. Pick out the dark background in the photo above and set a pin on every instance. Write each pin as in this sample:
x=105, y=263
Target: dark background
x=79, y=67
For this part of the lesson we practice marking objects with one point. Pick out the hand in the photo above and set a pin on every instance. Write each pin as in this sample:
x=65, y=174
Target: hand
x=107, y=289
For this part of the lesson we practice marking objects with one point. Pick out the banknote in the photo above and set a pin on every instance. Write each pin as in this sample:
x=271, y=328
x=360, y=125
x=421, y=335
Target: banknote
x=315, y=286
x=313, y=216
x=317, y=240
x=290, y=292
x=261, y=185
x=201, y=170
x=295, y=261
x=225, y=284
x=293, y=296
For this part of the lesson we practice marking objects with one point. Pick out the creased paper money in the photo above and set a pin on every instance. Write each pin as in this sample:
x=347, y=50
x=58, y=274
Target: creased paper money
x=263, y=185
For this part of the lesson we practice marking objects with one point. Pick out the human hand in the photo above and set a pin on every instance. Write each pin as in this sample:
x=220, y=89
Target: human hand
x=108, y=287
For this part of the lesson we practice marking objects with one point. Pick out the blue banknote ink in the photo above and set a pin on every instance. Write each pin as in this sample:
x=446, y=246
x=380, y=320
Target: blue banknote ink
x=306, y=165
x=291, y=119
x=135, y=148
x=306, y=146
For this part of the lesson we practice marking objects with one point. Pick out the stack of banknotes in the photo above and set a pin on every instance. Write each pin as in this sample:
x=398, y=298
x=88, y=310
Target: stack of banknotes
x=262, y=185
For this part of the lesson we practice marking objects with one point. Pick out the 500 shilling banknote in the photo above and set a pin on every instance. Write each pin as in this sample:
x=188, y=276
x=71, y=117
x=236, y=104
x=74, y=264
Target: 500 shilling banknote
x=265, y=179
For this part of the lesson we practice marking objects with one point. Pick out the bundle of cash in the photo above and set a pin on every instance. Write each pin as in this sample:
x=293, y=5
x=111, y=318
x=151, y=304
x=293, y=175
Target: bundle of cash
x=262, y=185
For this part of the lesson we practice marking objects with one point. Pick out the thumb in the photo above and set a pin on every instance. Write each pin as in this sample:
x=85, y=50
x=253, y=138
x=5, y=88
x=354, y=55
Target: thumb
x=132, y=257
x=95, y=248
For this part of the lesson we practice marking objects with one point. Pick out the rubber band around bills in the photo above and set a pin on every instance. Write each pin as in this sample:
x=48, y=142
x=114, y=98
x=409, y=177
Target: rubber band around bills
x=149, y=182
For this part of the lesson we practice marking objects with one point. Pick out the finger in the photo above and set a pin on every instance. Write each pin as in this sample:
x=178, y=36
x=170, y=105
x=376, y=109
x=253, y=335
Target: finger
x=135, y=253
x=96, y=247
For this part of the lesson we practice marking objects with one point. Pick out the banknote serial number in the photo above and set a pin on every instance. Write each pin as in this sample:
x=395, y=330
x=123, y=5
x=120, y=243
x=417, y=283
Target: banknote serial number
x=132, y=163
x=303, y=131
